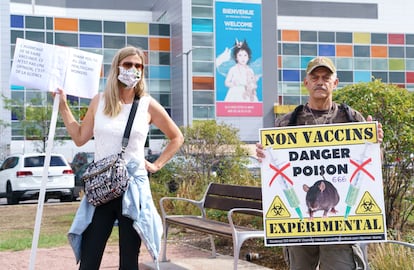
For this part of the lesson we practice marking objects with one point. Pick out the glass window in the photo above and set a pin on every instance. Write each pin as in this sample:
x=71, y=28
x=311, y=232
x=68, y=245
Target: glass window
x=362, y=51
x=159, y=72
x=291, y=88
x=49, y=38
x=35, y=36
x=90, y=26
x=141, y=42
x=202, y=12
x=90, y=41
x=362, y=76
x=203, y=68
x=203, y=39
x=379, y=38
x=344, y=63
x=343, y=37
x=114, y=42
x=290, y=49
x=203, y=2
x=291, y=62
x=380, y=75
x=163, y=98
x=65, y=39
x=326, y=50
x=291, y=100
x=202, y=25
x=326, y=37
x=203, y=54
x=106, y=69
x=159, y=58
x=203, y=112
x=308, y=36
x=17, y=95
x=159, y=29
x=409, y=64
x=35, y=22
x=161, y=86
x=396, y=52
x=362, y=64
x=14, y=34
x=379, y=64
x=291, y=75
x=397, y=77
x=396, y=64
x=309, y=49
x=49, y=23
x=203, y=97
x=409, y=52
x=409, y=39
x=114, y=27
x=108, y=55
x=345, y=76
x=16, y=21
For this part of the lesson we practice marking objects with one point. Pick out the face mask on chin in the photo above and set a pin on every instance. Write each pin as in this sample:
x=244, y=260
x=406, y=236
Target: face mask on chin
x=129, y=77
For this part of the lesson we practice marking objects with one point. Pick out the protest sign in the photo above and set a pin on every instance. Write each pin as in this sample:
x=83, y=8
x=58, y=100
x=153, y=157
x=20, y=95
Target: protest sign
x=46, y=67
x=322, y=185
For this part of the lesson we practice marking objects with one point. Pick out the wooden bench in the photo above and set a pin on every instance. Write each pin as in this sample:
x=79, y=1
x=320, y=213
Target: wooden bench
x=230, y=198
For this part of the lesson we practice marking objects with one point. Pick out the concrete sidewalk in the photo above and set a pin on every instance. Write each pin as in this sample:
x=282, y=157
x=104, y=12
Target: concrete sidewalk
x=187, y=257
x=181, y=255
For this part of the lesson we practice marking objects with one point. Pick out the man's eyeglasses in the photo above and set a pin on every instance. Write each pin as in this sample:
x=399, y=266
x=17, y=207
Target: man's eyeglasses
x=129, y=65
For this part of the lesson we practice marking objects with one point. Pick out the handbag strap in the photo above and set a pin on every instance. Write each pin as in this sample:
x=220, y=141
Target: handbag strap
x=128, y=127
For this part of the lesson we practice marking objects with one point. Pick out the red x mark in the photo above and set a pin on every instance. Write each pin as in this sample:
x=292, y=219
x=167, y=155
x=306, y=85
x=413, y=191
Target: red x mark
x=280, y=172
x=361, y=168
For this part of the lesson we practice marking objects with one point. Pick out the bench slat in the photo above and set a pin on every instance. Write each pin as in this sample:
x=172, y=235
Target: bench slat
x=228, y=203
x=243, y=192
x=205, y=225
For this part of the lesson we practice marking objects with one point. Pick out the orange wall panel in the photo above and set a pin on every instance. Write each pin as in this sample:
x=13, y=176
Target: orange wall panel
x=379, y=51
x=65, y=24
x=159, y=44
x=344, y=50
x=203, y=83
x=290, y=35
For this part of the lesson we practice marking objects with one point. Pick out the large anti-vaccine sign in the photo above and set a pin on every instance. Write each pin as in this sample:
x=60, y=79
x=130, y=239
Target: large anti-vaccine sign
x=322, y=184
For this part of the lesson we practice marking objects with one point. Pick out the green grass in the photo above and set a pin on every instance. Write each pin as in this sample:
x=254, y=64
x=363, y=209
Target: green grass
x=17, y=226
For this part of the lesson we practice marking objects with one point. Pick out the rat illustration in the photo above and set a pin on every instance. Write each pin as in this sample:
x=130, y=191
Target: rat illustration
x=321, y=196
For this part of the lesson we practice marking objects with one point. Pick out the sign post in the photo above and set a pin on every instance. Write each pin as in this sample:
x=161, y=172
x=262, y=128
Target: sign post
x=47, y=67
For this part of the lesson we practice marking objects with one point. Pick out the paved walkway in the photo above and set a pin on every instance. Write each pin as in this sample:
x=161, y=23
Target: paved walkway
x=181, y=256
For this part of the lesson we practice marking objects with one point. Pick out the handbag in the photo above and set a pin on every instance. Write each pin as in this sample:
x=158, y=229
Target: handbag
x=107, y=178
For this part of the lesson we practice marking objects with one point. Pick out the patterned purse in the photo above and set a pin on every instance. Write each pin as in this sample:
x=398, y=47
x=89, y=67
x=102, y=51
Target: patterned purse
x=108, y=178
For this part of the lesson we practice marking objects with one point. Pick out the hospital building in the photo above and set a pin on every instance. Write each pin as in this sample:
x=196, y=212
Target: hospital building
x=190, y=44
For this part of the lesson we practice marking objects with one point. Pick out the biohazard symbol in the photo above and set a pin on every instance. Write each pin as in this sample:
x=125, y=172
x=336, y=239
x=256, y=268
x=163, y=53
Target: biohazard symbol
x=367, y=205
x=277, y=209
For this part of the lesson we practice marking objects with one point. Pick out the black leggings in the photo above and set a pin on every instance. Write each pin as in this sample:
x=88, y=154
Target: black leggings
x=94, y=238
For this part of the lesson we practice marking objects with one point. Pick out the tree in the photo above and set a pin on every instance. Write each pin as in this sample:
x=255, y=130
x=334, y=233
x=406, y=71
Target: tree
x=34, y=119
x=211, y=153
x=393, y=107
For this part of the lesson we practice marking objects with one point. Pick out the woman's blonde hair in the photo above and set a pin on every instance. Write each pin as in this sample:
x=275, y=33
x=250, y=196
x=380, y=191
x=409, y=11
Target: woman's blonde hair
x=113, y=103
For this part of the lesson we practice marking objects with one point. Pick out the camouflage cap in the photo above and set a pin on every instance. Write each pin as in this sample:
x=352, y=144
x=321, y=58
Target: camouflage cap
x=320, y=62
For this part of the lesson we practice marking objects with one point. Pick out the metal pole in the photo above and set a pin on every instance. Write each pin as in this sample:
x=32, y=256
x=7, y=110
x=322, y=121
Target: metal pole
x=189, y=101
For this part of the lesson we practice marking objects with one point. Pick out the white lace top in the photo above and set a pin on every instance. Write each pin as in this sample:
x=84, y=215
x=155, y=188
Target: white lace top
x=108, y=132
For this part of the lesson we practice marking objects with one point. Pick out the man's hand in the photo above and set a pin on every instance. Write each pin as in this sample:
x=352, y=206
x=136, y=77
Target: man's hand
x=380, y=131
